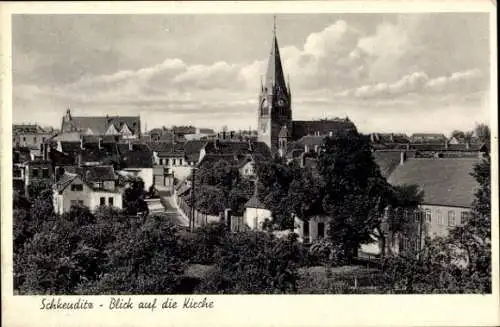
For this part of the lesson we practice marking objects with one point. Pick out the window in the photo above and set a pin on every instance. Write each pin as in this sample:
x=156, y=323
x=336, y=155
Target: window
x=451, y=218
x=306, y=228
x=321, y=230
x=34, y=139
x=43, y=139
x=428, y=215
x=77, y=187
x=418, y=216
x=173, y=162
x=16, y=173
x=45, y=172
x=35, y=172
x=439, y=217
x=80, y=203
x=73, y=203
x=110, y=202
x=24, y=138
x=102, y=201
x=166, y=161
x=464, y=216
x=180, y=162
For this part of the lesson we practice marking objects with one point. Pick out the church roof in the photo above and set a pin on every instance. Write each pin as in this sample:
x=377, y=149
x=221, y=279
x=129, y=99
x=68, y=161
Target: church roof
x=100, y=124
x=274, y=74
x=323, y=127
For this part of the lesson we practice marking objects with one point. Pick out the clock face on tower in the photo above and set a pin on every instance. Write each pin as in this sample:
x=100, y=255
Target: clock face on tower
x=281, y=102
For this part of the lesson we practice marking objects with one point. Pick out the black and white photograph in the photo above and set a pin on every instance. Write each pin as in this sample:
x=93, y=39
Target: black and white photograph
x=259, y=153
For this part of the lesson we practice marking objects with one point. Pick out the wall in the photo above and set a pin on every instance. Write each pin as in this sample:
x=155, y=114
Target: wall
x=255, y=217
x=95, y=199
x=29, y=140
x=313, y=228
x=68, y=195
x=437, y=227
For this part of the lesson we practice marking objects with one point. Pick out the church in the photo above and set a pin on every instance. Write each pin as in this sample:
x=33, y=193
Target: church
x=276, y=126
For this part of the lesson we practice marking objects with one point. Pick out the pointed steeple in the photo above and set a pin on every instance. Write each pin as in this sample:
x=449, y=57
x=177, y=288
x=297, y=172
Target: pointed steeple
x=274, y=77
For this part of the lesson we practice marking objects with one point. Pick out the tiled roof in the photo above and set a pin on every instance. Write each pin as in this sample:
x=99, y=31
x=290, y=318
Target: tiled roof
x=71, y=146
x=27, y=129
x=140, y=156
x=445, y=182
x=428, y=135
x=211, y=159
x=64, y=181
x=184, y=130
x=254, y=202
x=388, y=160
x=324, y=127
x=206, y=131
x=100, y=124
x=98, y=173
x=311, y=140
x=61, y=159
x=68, y=137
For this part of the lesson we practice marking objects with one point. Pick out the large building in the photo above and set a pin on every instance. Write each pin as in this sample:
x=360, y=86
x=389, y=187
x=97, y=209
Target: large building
x=126, y=127
x=276, y=127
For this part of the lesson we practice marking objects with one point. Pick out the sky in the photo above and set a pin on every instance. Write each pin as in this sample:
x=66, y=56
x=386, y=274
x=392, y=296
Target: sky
x=386, y=72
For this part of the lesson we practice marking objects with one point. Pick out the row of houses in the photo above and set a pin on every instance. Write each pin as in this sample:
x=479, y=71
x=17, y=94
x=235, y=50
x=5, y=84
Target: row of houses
x=442, y=172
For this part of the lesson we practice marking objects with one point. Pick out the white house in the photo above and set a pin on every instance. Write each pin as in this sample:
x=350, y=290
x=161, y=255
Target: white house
x=92, y=187
x=256, y=213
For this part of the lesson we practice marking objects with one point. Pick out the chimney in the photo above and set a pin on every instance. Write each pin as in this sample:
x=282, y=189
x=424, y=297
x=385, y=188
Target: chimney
x=402, y=158
x=100, y=143
x=467, y=145
x=306, y=148
x=407, y=146
x=216, y=144
x=81, y=143
x=224, y=135
x=446, y=143
x=250, y=148
x=372, y=137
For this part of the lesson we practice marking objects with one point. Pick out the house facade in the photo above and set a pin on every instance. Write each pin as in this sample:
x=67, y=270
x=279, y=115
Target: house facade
x=30, y=136
x=312, y=229
x=92, y=188
x=448, y=195
x=256, y=214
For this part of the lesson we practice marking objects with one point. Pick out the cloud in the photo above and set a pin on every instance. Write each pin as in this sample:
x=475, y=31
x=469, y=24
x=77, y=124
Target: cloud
x=393, y=65
x=418, y=82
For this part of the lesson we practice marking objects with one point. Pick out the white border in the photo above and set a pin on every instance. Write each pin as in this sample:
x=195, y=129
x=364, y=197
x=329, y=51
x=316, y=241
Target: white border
x=300, y=310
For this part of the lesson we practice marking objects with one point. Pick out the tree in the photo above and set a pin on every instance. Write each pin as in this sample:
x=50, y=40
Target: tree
x=458, y=134
x=255, y=263
x=352, y=187
x=457, y=263
x=133, y=197
x=482, y=131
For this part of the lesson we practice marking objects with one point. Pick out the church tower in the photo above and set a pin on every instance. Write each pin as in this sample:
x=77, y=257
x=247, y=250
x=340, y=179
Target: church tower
x=275, y=108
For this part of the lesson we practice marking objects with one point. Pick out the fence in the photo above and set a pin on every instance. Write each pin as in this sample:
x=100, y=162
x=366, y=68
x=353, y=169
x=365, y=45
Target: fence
x=200, y=219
